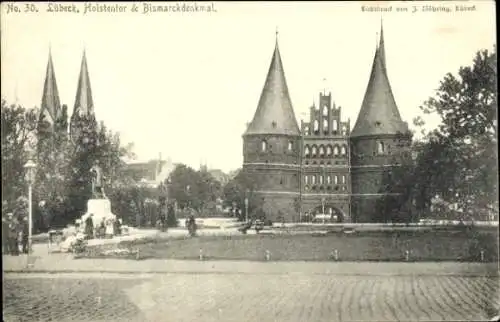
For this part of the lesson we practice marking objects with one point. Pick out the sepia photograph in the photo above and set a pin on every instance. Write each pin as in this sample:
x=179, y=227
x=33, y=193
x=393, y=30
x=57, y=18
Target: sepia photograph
x=250, y=161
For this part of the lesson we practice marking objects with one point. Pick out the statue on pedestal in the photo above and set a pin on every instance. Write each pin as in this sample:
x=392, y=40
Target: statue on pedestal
x=97, y=178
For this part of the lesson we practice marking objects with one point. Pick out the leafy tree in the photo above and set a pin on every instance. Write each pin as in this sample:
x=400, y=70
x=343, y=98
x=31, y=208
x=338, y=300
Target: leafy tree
x=18, y=136
x=93, y=143
x=63, y=164
x=182, y=185
x=398, y=184
x=240, y=187
x=197, y=190
x=53, y=155
x=458, y=161
x=208, y=191
x=84, y=150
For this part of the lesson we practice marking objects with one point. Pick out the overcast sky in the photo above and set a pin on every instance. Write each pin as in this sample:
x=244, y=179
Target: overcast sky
x=186, y=84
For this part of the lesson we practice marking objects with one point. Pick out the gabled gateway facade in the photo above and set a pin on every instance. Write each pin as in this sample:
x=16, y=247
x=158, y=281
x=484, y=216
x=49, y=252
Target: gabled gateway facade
x=325, y=167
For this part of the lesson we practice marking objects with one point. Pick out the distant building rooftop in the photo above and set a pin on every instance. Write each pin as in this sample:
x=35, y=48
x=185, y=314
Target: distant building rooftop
x=150, y=172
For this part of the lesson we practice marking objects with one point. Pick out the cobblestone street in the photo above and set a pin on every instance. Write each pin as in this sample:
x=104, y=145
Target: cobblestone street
x=247, y=297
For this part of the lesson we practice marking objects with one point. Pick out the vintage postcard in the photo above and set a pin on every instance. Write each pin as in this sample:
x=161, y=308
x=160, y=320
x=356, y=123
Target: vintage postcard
x=249, y=161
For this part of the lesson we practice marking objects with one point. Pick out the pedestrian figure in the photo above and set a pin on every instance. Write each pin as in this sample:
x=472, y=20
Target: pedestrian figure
x=116, y=227
x=120, y=224
x=13, y=235
x=25, y=235
x=191, y=224
x=89, y=226
x=45, y=215
x=102, y=229
x=109, y=228
x=163, y=216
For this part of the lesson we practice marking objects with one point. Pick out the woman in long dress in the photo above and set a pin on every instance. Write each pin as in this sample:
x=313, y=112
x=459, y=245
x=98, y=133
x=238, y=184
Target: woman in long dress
x=109, y=228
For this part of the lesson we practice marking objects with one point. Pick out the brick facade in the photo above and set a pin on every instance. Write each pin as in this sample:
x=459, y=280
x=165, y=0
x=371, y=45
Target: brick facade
x=325, y=167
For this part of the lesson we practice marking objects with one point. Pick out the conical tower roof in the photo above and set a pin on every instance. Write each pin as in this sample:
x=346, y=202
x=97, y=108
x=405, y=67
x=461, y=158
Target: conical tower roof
x=381, y=48
x=84, y=103
x=379, y=113
x=274, y=114
x=51, y=105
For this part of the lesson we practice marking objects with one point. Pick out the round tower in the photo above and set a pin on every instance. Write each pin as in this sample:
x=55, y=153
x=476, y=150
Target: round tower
x=379, y=141
x=271, y=148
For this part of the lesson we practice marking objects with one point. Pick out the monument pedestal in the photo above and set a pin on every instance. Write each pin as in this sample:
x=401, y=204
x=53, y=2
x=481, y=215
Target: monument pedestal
x=100, y=209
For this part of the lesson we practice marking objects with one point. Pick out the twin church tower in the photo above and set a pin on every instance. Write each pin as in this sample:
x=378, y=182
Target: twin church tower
x=51, y=110
x=322, y=166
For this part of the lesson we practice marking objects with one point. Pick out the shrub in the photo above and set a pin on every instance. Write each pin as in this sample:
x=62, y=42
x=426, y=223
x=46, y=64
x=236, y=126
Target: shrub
x=79, y=247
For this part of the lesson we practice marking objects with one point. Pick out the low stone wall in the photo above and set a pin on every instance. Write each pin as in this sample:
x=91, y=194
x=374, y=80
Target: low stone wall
x=438, y=225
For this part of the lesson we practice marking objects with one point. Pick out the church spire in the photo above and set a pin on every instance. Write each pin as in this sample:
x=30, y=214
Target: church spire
x=274, y=114
x=84, y=103
x=381, y=46
x=379, y=113
x=50, y=106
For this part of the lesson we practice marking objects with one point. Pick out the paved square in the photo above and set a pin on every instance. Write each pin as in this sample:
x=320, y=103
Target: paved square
x=247, y=297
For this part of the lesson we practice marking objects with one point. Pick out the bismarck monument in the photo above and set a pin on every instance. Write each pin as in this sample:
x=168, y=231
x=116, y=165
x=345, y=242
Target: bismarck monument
x=99, y=206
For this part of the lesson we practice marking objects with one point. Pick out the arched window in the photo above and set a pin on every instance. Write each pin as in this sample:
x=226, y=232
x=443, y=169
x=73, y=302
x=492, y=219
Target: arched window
x=335, y=179
x=290, y=145
x=263, y=146
x=325, y=126
x=343, y=150
x=313, y=179
x=307, y=151
x=325, y=110
x=321, y=151
x=381, y=148
x=328, y=179
x=320, y=179
x=336, y=150
x=306, y=179
x=316, y=126
x=335, y=125
x=343, y=179
x=314, y=151
x=344, y=130
x=328, y=150
x=306, y=130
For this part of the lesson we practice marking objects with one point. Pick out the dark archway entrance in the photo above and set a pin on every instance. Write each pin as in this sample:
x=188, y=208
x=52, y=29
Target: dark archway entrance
x=327, y=213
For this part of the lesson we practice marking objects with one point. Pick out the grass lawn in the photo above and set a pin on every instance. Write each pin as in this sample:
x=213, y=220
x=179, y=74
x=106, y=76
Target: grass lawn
x=364, y=246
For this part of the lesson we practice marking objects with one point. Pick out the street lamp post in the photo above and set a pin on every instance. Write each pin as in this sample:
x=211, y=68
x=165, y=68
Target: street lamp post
x=323, y=208
x=30, y=167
